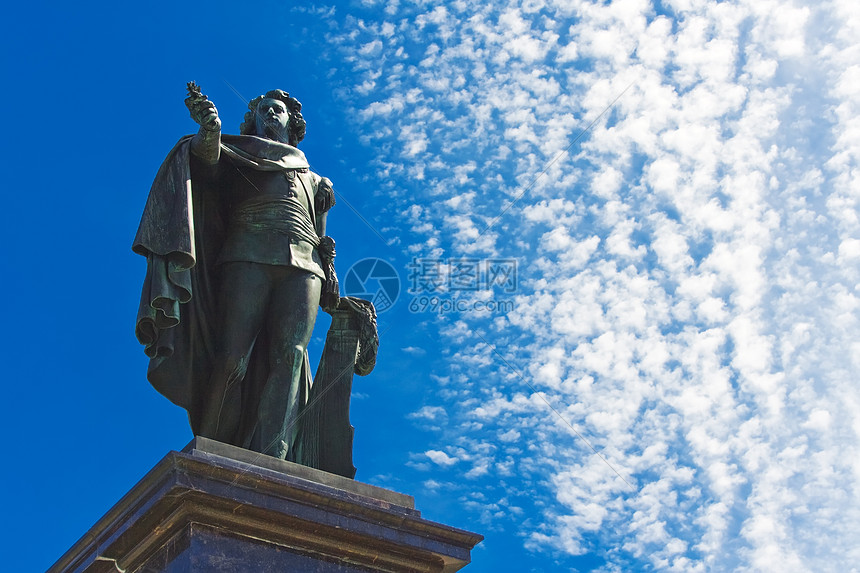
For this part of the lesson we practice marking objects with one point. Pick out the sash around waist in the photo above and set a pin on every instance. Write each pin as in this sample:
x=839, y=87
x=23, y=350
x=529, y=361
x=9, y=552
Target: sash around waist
x=275, y=214
x=274, y=231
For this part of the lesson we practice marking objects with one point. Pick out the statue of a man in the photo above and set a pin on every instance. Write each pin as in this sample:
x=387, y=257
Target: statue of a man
x=238, y=264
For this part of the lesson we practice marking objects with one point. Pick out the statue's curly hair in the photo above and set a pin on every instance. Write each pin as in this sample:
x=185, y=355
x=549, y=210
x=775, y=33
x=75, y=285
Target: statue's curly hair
x=297, y=125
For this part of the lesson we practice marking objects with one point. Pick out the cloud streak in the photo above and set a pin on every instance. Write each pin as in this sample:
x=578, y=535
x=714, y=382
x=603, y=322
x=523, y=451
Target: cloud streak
x=688, y=291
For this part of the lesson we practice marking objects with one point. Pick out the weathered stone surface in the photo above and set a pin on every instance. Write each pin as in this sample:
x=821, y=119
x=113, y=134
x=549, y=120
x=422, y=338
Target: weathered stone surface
x=214, y=507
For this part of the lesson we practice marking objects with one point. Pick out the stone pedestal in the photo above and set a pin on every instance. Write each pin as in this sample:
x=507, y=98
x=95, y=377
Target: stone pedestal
x=218, y=508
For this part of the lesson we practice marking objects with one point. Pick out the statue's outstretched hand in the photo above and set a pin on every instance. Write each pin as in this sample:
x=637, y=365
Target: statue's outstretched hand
x=202, y=110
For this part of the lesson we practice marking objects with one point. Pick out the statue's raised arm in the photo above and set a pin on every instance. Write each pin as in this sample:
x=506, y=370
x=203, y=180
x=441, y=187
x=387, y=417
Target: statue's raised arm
x=207, y=143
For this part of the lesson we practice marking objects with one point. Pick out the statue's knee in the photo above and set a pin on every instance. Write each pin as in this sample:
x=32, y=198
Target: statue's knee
x=234, y=368
x=287, y=358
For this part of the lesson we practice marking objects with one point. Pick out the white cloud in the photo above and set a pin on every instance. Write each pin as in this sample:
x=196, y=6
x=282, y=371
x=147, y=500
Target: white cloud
x=416, y=351
x=440, y=458
x=688, y=280
x=430, y=413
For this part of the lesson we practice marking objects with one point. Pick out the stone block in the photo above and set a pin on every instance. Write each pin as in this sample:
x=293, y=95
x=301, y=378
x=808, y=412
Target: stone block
x=217, y=508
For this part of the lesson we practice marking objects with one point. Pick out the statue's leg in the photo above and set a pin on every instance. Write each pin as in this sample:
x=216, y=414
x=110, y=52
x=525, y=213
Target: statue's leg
x=293, y=310
x=245, y=290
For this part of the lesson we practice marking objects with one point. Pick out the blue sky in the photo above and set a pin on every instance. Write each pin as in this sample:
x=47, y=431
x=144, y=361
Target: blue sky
x=672, y=384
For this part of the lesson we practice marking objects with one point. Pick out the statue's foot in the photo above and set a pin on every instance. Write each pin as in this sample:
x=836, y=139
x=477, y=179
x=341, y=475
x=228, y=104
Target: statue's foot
x=280, y=451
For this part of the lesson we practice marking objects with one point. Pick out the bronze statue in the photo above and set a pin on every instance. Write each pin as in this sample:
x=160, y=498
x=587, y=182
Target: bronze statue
x=237, y=265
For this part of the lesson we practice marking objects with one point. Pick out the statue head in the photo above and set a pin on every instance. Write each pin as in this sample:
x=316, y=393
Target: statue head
x=275, y=115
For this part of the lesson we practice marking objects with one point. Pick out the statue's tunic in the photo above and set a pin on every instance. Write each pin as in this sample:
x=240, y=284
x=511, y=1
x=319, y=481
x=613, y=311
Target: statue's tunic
x=273, y=230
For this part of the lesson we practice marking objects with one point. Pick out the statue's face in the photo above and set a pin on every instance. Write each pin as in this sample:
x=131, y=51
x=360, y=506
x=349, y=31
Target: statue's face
x=273, y=120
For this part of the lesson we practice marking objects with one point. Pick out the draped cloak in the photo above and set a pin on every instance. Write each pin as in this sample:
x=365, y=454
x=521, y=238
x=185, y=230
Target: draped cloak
x=181, y=232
